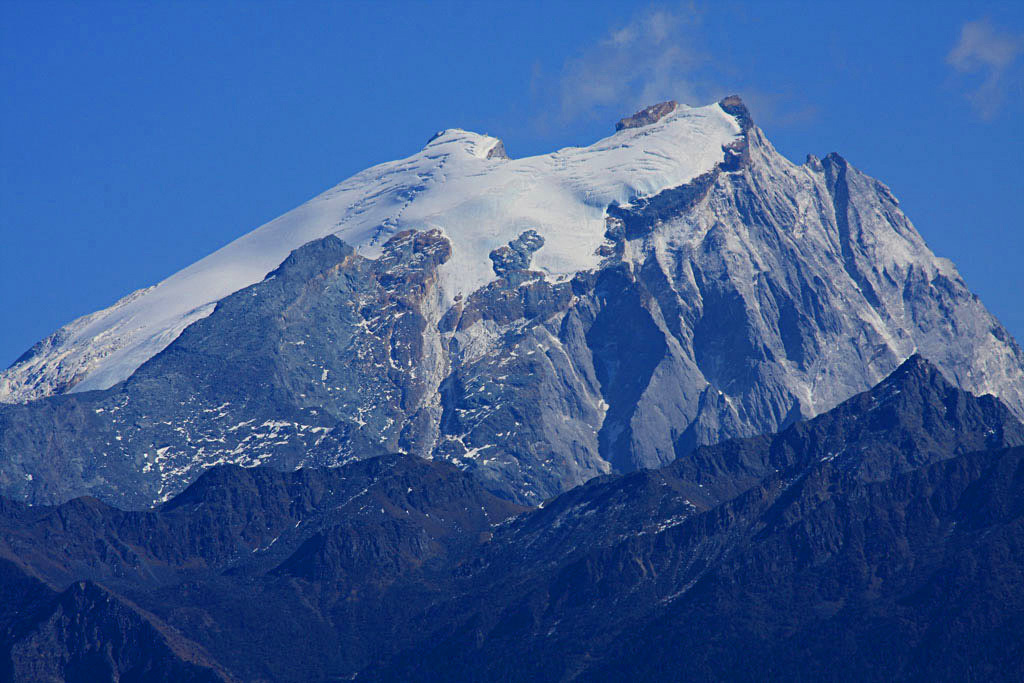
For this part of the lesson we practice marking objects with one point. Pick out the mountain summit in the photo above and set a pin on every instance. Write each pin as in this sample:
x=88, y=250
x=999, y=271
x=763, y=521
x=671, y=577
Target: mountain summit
x=456, y=183
x=535, y=321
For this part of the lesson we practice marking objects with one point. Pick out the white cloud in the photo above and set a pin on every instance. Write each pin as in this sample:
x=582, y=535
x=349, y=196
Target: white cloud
x=659, y=54
x=650, y=59
x=992, y=54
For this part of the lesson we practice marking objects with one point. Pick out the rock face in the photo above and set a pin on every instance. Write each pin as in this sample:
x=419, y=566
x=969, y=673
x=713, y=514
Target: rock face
x=647, y=116
x=755, y=294
x=498, y=151
x=263, y=379
x=880, y=541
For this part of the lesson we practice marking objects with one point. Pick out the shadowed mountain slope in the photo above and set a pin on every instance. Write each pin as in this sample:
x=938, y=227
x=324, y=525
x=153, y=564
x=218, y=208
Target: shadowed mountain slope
x=880, y=540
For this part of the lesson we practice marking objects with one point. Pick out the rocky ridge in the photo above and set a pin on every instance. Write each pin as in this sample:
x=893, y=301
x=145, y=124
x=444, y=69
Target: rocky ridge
x=878, y=541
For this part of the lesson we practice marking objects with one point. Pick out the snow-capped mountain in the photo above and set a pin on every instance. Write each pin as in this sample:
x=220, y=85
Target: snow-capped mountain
x=461, y=183
x=536, y=321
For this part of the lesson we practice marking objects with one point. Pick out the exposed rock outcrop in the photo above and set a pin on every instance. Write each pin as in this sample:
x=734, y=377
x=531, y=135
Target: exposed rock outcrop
x=646, y=117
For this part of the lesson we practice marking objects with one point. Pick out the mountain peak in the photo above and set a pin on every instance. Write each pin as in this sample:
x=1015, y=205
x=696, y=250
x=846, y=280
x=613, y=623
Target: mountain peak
x=735, y=107
x=917, y=382
x=924, y=417
x=916, y=366
x=474, y=144
x=921, y=378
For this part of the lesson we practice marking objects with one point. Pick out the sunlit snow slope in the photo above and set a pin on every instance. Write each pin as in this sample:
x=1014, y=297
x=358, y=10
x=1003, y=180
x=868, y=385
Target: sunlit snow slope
x=457, y=183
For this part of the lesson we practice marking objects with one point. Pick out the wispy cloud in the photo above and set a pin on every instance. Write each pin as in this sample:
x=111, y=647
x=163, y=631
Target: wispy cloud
x=651, y=58
x=992, y=55
x=659, y=53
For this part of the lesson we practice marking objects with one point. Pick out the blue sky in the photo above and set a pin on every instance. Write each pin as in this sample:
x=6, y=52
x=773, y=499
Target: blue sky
x=136, y=138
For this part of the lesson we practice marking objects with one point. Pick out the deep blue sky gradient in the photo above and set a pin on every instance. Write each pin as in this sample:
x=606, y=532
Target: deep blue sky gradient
x=136, y=138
